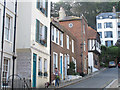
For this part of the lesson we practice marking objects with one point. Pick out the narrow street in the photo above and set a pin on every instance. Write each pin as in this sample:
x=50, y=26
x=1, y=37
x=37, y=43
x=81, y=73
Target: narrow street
x=100, y=80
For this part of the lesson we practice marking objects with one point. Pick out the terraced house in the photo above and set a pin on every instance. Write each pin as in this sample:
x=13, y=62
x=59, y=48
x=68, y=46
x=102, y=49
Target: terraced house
x=94, y=50
x=7, y=14
x=33, y=42
x=78, y=27
x=63, y=50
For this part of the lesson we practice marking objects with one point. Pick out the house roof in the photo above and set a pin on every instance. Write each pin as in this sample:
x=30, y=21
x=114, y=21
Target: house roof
x=92, y=33
x=111, y=15
x=69, y=18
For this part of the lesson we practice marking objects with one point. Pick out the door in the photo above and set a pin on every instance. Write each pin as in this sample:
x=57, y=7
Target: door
x=34, y=69
x=65, y=67
x=61, y=65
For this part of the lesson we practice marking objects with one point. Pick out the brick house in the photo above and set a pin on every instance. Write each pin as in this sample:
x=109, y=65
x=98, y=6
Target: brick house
x=93, y=50
x=63, y=45
x=78, y=27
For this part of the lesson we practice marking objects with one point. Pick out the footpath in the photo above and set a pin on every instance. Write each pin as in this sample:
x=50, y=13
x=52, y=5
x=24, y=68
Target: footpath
x=65, y=83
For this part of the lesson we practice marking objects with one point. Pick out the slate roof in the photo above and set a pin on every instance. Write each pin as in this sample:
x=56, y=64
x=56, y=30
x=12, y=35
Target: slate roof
x=111, y=15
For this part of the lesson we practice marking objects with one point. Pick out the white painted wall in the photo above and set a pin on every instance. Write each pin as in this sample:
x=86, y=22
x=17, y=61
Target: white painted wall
x=26, y=34
x=114, y=30
x=91, y=61
x=8, y=45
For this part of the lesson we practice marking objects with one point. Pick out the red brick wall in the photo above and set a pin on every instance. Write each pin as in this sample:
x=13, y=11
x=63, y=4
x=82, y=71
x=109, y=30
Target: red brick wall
x=76, y=31
x=58, y=49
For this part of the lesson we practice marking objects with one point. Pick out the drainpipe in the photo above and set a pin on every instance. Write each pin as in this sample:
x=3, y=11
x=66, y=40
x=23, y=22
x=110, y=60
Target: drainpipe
x=50, y=45
x=14, y=57
x=82, y=47
x=50, y=52
x=2, y=44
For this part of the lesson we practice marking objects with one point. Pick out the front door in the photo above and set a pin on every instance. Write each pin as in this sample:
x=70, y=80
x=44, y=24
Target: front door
x=65, y=67
x=34, y=69
x=61, y=66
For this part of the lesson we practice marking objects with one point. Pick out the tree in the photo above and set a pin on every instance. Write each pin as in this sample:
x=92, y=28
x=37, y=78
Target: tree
x=89, y=9
x=71, y=70
x=109, y=54
x=118, y=43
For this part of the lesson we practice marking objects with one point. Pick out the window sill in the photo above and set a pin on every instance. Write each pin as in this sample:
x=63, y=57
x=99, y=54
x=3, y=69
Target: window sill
x=41, y=12
x=8, y=41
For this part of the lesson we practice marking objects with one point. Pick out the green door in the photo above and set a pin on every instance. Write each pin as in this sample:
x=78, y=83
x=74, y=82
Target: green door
x=34, y=69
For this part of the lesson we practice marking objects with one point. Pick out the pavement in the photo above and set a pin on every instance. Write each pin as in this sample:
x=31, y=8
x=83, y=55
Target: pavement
x=64, y=83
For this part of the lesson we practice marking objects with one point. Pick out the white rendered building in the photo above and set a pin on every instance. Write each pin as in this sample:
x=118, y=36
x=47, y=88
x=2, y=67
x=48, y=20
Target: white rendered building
x=108, y=26
x=8, y=39
x=33, y=41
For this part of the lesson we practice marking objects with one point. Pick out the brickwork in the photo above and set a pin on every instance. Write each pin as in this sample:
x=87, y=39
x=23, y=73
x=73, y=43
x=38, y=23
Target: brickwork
x=80, y=36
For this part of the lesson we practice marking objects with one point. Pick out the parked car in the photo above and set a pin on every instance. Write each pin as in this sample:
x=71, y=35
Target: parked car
x=118, y=64
x=112, y=64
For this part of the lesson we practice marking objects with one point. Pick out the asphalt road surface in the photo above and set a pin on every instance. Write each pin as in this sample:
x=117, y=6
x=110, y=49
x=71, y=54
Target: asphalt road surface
x=100, y=80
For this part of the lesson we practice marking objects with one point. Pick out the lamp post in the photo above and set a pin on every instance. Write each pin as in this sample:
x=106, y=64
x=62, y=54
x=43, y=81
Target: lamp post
x=2, y=43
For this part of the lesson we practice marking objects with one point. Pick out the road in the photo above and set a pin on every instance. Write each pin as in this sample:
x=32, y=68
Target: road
x=100, y=80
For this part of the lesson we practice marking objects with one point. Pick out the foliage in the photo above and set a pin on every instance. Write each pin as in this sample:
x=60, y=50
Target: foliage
x=71, y=70
x=89, y=9
x=109, y=54
x=118, y=43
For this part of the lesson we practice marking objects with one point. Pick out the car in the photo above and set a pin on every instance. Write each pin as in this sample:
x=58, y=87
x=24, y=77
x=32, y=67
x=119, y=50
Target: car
x=118, y=64
x=112, y=64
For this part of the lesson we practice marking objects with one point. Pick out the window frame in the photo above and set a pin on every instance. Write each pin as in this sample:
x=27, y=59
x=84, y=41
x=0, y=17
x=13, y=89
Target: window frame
x=56, y=62
x=68, y=40
x=8, y=68
x=61, y=39
x=108, y=34
x=73, y=46
x=8, y=37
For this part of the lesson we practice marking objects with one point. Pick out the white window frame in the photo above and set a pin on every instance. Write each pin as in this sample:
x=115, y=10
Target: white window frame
x=7, y=69
x=8, y=38
x=55, y=63
x=73, y=46
x=61, y=39
x=45, y=65
x=84, y=46
x=40, y=64
x=99, y=25
x=67, y=37
x=57, y=36
x=52, y=36
x=84, y=28
x=68, y=61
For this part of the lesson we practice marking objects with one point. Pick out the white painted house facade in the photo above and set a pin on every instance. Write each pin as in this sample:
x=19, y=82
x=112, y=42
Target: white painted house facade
x=33, y=41
x=8, y=38
x=108, y=26
x=93, y=50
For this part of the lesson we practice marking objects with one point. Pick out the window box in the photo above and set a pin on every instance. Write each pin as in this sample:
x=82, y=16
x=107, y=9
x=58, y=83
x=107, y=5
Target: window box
x=45, y=74
x=40, y=73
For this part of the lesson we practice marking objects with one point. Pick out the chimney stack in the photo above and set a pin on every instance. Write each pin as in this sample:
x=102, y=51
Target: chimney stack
x=62, y=13
x=114, y=9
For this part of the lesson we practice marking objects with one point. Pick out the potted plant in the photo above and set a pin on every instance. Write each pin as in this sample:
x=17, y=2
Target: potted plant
x=45, y=74
x=40, y=73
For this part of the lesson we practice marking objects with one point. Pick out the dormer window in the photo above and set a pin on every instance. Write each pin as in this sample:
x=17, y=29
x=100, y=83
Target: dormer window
x=101, y=17
x=110, y=16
